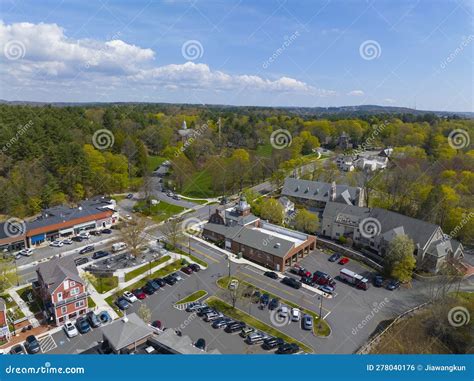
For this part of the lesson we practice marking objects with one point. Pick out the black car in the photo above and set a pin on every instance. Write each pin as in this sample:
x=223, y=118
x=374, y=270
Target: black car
x=272, y=342
x=93, y=319
x=106, y=231
x=32, y=344
x=95, y=232
x=195, y=267
x=153, y=284
x=221, y=322
x=265, y=299
x=271, y=274
x=17, y=350
x=334, y=257
x=378, y=281
x=393, y=285
x=200, y=344
x=122, y=303
x=288, y=349
x=81, y=261
x=87, y=249
x=78, y=238
x=100, y=254
x=274, y=303
x=170, y=280
x=307, y=280
x=235, y=327
x=83, y=325
x=160, y=281
x=291, y=282
x=147, y=289
x=204, y=310
x=129, y=196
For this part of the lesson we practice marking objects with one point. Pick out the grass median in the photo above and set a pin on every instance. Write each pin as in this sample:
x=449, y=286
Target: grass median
x=321, y=328
x=240, y=315
x=193, y=297
x=146, y=267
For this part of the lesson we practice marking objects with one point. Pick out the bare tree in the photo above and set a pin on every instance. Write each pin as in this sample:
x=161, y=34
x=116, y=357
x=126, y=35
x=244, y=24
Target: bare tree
x=172, y=230
x=145, y=313
x=132, y=235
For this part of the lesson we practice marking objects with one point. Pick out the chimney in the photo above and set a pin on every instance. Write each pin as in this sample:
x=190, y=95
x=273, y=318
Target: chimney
x=332, y=194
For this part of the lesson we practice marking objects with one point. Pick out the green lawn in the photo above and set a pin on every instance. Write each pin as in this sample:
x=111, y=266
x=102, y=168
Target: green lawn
x=154, y=162
x=146, y=267
x=104, y=284
x=264, y=150
x=8, y=301
x=198, y=201
x=193, y=297
x=35, y=306
x=240, y=315
x=199, y=185
x=325, y=330
x=159, y=212
x=90, y=302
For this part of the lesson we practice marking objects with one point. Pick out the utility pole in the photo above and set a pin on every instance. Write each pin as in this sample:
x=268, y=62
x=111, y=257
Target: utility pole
x=228, y=264
x=320, y=311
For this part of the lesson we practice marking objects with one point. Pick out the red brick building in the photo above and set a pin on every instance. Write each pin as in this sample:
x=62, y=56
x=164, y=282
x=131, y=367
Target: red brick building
x=4, y=330
x=62, y=290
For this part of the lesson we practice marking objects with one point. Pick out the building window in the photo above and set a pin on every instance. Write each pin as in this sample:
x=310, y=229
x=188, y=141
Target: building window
x=72, y=283
x=79, y=304
x=63, y=310
x=59, y=296
x=75, y=291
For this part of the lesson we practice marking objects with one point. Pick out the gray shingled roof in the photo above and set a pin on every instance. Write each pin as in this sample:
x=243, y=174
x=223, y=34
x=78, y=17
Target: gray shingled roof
x=316, y=190
x=179, y=344
x=226, y=231
x=55, y=271
x=419, y=231
x=124, y=332
x=268, y=243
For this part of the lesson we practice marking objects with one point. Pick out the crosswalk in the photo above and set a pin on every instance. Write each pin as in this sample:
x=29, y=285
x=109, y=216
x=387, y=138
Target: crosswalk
x=47, y=343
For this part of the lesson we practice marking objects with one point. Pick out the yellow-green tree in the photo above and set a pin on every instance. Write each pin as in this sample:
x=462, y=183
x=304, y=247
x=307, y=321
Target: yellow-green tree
x=306, y=221
x=272, y=211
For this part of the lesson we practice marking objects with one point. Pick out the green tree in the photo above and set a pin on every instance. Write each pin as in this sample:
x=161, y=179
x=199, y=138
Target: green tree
x=306, y=221
x=272, y=211
x=399, y=261
x=8, y=276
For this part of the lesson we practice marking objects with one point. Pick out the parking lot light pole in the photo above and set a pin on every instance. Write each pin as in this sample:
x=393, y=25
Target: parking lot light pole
x=228, y=264
x=320, y=310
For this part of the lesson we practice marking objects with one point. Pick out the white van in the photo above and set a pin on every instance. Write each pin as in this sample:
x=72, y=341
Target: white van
x=84, y=234
x=119, y=246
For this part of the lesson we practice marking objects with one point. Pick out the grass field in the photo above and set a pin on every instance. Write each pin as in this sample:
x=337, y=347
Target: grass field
x=104, y=284
x=264, y=150
x=240, y=315
x=193, y=297
x=140, y=270
x=90, y=302
x=159, y=212
x=154, y=162
x=199, y=185
x=35, y=304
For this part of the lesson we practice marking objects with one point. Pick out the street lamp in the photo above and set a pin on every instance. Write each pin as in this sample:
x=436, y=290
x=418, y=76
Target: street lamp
x=320, y=310
x=228, y=264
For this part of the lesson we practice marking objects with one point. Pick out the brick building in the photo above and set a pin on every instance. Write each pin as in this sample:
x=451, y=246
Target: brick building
x=4, y=329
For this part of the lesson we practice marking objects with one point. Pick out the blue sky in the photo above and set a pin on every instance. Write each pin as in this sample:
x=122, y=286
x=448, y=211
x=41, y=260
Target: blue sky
x=275, y=53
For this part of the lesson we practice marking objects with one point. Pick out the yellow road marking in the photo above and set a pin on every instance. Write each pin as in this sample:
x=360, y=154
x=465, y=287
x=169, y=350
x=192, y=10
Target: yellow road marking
x=205, y=255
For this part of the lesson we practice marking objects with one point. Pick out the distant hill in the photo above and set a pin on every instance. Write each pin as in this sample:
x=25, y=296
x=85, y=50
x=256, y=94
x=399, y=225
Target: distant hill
x=352, y=111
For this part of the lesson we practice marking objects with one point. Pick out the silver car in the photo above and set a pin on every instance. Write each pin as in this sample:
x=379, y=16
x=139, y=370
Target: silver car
x=307, y=322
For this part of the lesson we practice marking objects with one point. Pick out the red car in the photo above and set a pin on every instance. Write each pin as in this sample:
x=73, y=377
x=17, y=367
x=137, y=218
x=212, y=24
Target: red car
x=156, y=324
x=343, y=260
x=187, y=270
x=139, y=293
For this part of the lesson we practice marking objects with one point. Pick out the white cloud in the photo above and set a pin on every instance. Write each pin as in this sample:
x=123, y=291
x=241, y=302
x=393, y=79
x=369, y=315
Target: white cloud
x=49, y=52
x=356, y=93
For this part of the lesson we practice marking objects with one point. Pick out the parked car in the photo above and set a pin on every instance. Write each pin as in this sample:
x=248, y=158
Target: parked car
x=204, y=310
x=81, y=261
x=129, y=297
x=291, y=282
x=343, y=261
x=283, y=311
x=87, y=249
x=153, y=284
x=78, y=238
x=160, y=281
x=307, y=322
x=106, y=231
x=234, y=284
x=122, y=303
x=157, y=324
x=200, y=344
x=84, y=234
x=32, y=344
x=94, y=320
x=194, y=306
x=221, y=322
x=288, y=349
x=393, y=285
x=246, y=331
x=308, y=281
x=27, y=252
x=274, y=304
x=100, y=254
x=187, y=270
x=67, y=241
x=176, y=276
x=378, y=281
x=195, y=267
x=256, y=296
x=18, y=350
x=335, y=257
x=119, y=246
x=70, y=329
x=139, y=293
x=83, y=325
x=265, y=299
x=56, y=244
x=129, y=196
x=272, y=342
x=147, y=289
x=295, y=314
x=254, y=338
x=213, y=315
x=327, y=289
x=96, y=232
x=176, y=197
x=170, y=280
x=104, y=317
x=271, y=274
x=234, y=327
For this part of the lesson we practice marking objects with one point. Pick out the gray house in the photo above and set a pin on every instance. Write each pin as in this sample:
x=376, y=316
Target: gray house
x=373, y=229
